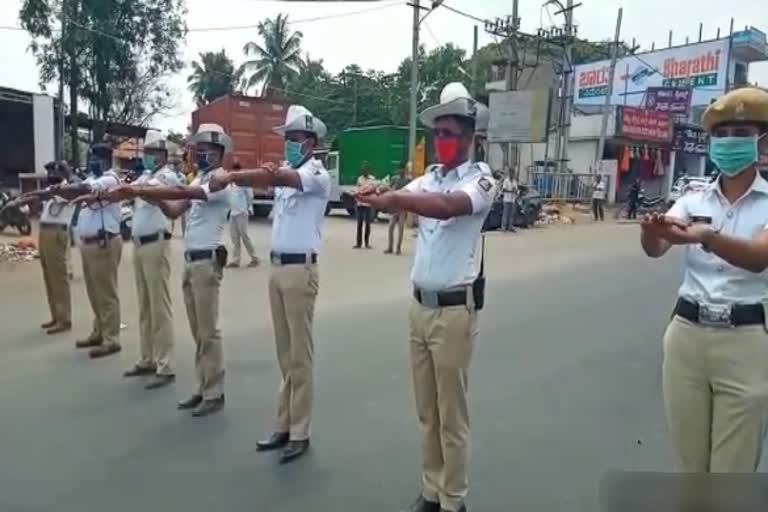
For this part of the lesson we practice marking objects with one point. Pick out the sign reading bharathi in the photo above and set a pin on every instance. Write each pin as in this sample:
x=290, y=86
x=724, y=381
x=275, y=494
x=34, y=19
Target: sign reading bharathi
x=519, y=116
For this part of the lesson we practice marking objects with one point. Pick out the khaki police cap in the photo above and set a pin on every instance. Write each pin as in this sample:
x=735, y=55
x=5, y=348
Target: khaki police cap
x=747, y=104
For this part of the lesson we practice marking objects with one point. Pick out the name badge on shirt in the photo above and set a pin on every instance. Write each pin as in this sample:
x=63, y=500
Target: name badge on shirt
x=699, y=219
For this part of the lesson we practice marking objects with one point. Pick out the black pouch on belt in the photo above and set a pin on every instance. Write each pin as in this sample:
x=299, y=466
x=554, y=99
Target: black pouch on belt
x=221, y=256
x=478, y=285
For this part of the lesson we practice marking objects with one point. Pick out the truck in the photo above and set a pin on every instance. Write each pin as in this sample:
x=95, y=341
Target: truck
x=28, y=135
x=384, y=148
x=249, y=121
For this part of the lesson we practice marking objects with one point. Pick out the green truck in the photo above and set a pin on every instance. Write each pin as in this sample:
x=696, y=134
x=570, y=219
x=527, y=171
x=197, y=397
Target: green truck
x=385, y=148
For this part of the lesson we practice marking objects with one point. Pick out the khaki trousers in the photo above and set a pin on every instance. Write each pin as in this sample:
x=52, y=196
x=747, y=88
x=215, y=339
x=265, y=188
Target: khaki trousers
x=715, y=385
x=238, y=229
x=201, y=284
x=442, y=341
x=152, y=268
x=100, y=265
x=396, y=220
x=53, y=244
x=292, y=293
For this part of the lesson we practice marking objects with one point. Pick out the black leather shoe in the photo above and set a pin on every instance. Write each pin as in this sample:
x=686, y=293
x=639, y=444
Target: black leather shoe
x=160, y=381
x=423, y=505
x=191, y=402
x=104, y=350
x=293, y=450
x=138, y=371
x=208, y=407
x=275, y=442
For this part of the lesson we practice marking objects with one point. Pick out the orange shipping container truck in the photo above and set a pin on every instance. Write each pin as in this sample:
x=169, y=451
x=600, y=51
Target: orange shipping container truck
x=249, y=121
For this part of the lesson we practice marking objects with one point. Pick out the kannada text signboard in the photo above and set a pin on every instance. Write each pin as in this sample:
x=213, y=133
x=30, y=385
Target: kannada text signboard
x=643, y=125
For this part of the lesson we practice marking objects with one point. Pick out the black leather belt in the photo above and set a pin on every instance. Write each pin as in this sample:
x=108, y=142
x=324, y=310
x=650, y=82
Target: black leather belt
x=148, y=239
x=88, y=240
x=721, y=315
x=282, y=258
x=442, y=299
x=53, y=225
x=204, y=254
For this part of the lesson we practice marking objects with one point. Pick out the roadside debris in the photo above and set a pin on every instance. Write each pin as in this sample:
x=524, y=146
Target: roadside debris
x=557, y=214
x=23, y=250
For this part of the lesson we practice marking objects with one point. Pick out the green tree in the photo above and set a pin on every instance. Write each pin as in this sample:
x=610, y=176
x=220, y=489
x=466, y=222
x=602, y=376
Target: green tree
x=212, y=77
x=176, y=137
x=114, y=52
x=276, y=60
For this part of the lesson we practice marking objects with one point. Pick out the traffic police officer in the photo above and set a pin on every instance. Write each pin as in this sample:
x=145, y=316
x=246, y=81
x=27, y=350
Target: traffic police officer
x=452, y=201
x=151, y=233
x=98, y=230
x=715, y=369
x=205, y=257
x=302, y=189
x=53, y=245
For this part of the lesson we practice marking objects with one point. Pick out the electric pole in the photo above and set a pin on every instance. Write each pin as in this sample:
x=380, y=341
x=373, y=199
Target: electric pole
x=567, y=89
x=608, y=96
x=414, y=84
x=60, y=127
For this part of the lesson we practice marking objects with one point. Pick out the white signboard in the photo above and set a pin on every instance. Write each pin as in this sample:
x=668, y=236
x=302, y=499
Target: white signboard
x=702, y=66
x=518, y=116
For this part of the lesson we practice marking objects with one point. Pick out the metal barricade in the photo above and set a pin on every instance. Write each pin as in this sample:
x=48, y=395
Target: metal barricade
x=567, y=187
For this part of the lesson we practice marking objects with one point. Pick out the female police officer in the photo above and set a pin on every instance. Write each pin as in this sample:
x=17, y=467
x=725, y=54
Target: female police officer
x=715, y=369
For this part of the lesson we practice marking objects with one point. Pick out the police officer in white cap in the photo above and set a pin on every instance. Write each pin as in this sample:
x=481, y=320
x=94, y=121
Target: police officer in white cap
x=302, y=188
x=451, y=200
x=205, y=256
x=98, y=232
x=151, y=233
x=715, y=369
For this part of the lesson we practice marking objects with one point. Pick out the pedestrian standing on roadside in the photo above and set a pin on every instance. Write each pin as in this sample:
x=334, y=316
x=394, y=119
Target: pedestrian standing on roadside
x=715, y=367
x=363, y=211
x=302, y=189
x=240, y=212
x=205, y=256
x=452, y=200
x=151, y=234
x=634, y=199
x=598, y=198
x=509, y=191
x=397, y=218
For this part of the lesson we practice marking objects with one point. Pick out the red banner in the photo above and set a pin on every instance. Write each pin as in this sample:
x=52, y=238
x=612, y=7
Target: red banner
x=644, y=125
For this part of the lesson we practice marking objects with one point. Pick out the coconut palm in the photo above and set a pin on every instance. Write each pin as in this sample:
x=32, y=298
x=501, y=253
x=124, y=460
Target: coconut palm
x=273, y=62
x=212, y=77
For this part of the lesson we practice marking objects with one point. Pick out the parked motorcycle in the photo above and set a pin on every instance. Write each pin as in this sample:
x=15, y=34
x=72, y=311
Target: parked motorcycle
x=644, y=205
x=14, y=215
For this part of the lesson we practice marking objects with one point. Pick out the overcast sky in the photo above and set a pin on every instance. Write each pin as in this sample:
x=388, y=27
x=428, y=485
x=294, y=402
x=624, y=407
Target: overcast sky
x=381, y=37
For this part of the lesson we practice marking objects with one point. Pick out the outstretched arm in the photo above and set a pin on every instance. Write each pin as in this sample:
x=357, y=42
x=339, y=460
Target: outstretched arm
x=263, y=177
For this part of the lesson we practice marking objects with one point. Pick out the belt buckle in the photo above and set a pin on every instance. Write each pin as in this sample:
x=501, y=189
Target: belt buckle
x=429, y=299
x=715, y=315
x=275, y=259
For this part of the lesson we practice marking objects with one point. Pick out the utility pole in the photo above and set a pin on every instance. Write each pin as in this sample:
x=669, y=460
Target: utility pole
x=414, y=84
x=608, y=96
x=60, y=127
x=511, y=85
x=474, y=60
x=567, y=89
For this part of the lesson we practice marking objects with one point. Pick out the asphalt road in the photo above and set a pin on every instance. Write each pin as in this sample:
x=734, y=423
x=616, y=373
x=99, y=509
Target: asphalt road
x=564, y=386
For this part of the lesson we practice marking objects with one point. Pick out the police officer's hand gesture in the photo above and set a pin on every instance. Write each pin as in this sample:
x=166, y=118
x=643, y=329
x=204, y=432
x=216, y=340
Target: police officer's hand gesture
x=219, y=180
x=661, y=227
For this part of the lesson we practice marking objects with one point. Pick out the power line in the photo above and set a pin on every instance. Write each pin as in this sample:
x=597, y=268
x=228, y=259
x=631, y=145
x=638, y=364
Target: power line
x=462, y=13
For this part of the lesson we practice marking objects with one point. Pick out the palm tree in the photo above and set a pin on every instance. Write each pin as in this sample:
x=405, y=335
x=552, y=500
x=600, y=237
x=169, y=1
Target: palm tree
x=212, y=77
x=276, y=60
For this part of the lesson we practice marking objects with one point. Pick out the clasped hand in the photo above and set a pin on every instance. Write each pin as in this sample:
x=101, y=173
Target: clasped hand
x=675, y=231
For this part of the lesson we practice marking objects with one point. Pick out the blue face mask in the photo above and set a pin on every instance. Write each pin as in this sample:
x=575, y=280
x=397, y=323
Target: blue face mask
x=203, y=164
x=149, y=162
x=95, y=168
x=733, y=155
x=293, y=153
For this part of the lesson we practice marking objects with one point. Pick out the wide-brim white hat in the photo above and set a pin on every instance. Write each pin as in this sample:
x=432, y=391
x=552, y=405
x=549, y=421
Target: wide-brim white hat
x=455, y=100
x=299, y=119
x=213, y=134
x=155, y=140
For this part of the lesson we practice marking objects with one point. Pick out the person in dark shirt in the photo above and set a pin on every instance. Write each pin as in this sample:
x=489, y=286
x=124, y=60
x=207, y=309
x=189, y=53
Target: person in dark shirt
x=634, y=199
